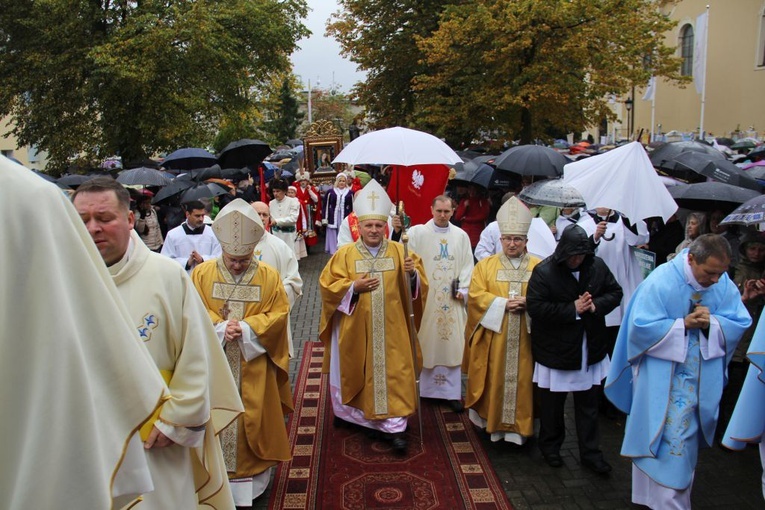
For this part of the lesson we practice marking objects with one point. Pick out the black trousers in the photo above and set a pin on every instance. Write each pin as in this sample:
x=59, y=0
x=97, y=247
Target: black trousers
x=552, y=429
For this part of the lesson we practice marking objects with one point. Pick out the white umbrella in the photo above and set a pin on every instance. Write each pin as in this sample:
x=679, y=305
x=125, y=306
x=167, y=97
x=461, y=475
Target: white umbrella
x=622, y=179
x=397, y=146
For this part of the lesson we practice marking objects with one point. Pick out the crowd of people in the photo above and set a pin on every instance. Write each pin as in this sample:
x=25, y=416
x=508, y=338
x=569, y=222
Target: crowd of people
x=465, y=300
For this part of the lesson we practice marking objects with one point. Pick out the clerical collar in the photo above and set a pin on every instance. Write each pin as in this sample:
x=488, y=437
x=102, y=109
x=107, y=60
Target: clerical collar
x=374, y=250
x=689, y=278
x=193, y=231
x=121, y=263
x=440, y=230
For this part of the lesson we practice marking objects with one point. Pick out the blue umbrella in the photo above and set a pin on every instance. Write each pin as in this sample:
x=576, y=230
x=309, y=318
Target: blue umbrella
x=188, y=159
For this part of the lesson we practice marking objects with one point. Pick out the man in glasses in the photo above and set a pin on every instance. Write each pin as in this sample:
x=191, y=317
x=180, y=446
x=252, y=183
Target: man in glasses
x=498, y=359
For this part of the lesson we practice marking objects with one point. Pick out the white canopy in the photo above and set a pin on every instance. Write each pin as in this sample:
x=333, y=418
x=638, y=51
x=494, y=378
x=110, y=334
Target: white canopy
x=622, y=179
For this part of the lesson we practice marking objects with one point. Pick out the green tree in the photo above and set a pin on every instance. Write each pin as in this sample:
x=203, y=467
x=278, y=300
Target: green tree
x=333, y=106
x=133, y=77
x=287, y=115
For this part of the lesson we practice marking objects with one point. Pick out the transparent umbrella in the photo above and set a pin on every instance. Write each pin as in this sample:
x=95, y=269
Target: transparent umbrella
x=552, y=192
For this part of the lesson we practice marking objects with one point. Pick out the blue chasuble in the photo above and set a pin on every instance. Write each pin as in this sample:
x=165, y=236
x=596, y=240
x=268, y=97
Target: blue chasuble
x=672, y=405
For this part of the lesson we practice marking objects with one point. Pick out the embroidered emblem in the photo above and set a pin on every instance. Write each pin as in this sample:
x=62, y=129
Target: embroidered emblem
x=150, y=322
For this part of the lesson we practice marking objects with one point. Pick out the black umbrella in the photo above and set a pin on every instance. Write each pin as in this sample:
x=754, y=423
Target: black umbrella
x=243, y=153
x=75, y=180
x=750, y=212
x=203, y=190
x=719, y=170
x=189, y=159
x=176, y=187
x=485, y=176
x=533, y=160
x=210, y=172
x=756, y=154
x=143, y=176
x=708, y=196
x=725, y=141
x=45, y=176
x=663, y=157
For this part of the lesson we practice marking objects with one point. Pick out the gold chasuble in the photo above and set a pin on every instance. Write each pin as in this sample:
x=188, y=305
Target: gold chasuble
x=260, y=438
x=499, y=366
x=377, y=370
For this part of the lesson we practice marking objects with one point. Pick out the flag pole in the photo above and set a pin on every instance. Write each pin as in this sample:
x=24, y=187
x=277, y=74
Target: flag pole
x=653, y=113
x=704, y=78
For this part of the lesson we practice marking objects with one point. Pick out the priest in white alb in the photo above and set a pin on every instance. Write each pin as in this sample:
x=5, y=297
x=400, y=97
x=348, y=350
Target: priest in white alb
x=184, y=453
x=448, y=261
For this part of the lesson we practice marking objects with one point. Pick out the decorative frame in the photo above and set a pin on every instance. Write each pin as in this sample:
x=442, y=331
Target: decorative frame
x=322, y=143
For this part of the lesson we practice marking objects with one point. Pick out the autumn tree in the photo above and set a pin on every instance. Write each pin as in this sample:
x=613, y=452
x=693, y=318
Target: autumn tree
x=136, y=77
x=333, y=106
x=522, y=67
x=381, y=37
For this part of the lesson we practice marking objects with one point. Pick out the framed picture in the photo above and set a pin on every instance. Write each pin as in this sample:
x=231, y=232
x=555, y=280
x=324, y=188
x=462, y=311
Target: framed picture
x=319, y=153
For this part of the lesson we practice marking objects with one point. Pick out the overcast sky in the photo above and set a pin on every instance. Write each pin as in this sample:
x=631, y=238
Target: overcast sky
x=319, y=57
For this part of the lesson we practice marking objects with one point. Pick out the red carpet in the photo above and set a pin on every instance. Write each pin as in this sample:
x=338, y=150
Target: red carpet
x=341, y=468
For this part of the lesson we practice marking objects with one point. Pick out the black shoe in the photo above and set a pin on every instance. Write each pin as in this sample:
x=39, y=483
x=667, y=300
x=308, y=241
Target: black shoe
x=553, y=459
x=599, y=466
x=456, y=405
x=398, y=442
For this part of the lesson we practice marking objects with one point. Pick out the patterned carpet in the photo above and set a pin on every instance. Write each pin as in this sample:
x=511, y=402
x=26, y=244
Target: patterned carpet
x=342, y=468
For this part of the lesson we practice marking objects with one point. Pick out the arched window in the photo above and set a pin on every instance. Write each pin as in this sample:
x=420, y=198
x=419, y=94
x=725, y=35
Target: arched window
x=686, y=50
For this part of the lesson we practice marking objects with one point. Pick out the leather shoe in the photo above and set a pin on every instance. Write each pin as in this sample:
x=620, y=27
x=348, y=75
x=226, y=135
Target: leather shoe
x=598, y=466
x=553, y=459
x=456, y=405
x=398, y=443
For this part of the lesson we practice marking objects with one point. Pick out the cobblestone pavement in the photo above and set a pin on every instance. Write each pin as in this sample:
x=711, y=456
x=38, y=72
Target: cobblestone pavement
x=724, y=479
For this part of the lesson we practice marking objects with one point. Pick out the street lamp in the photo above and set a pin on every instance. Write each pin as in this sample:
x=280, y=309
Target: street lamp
x=628, y=105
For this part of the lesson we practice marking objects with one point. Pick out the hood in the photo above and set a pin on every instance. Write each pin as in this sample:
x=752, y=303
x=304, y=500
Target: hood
x=573, y=241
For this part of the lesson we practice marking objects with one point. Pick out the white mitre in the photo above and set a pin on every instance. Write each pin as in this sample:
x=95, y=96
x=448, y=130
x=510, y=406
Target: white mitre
x=372, y=202
x=514, y=218
x=238, y=228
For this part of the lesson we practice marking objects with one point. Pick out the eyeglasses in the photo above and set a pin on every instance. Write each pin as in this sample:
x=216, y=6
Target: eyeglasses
x=514, y=240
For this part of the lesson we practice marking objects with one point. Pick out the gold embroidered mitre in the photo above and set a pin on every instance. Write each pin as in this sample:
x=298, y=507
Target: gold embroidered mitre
x=514, y=218
x=372, y=202
x=238, y=228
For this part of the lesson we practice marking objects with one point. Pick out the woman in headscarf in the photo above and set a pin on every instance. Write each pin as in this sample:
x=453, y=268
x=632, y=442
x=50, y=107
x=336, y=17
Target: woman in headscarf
x=337, y=205
x=695, y=225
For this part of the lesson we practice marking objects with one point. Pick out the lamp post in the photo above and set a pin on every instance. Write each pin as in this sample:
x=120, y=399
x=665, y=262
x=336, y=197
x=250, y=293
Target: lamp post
x=628, y=105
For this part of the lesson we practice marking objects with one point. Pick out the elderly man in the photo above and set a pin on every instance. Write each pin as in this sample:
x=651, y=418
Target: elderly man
x=272, y=250
x=284, y=213
x=370, y=357
x=171, y=321
x=248, y=305
x=74, y=389
x=498, y=360
x=191, y=242
x=569, y=295
x=678, y=335
x=448, y=261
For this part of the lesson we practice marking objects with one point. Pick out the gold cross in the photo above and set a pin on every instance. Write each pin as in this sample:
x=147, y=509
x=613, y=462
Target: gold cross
x=372, y=197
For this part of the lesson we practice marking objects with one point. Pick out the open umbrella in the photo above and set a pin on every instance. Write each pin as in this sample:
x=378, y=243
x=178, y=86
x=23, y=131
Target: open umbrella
x=189, y=158
x=143, y=176
x=708, y=196
x=663, y=157
x=176, y=187
x=719, y=170
x=624, y=180
x=244, y=152
x=75, y=180
x=751, y=212
x=745, y=143
x=293, y=142
x=554, y=192
x=534, y=160
x=757, y=154
x=203, y=190
x=397, y=146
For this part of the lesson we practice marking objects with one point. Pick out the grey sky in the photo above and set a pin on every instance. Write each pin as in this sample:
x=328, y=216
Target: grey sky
x=319, y=58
